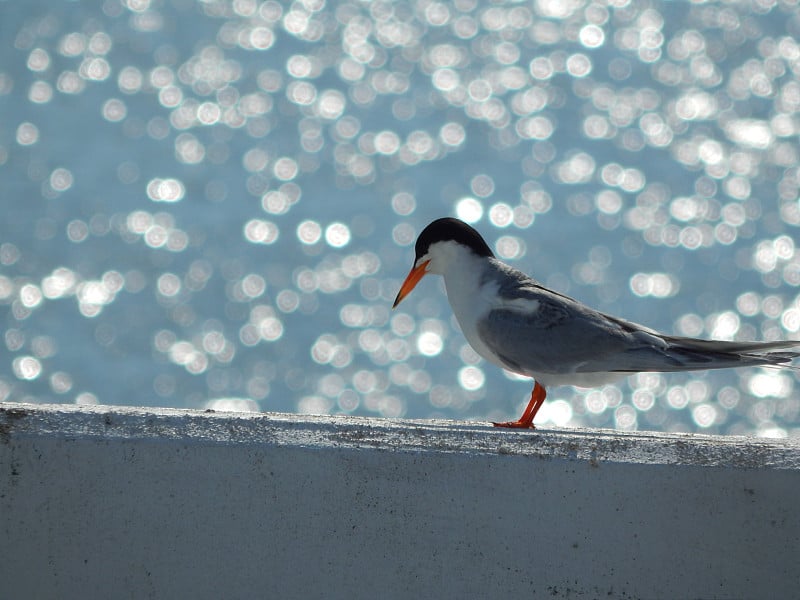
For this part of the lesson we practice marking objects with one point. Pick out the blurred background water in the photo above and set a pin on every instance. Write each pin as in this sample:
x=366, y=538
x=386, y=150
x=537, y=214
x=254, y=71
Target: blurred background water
x=213, y=203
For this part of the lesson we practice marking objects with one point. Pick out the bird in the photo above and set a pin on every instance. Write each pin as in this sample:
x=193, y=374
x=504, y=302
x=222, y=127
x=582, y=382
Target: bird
x=514, y=322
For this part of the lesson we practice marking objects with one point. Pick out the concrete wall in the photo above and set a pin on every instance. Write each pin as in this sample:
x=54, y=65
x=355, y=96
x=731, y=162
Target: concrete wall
x=109, y=502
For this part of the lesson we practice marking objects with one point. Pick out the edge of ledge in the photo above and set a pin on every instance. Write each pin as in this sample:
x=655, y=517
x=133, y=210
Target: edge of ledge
x=594, y=446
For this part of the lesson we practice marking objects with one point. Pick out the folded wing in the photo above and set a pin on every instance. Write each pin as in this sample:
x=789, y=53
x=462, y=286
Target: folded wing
x=540, y=331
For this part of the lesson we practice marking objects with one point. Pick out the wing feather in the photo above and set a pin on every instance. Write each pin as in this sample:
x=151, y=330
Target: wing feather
x=559, y=335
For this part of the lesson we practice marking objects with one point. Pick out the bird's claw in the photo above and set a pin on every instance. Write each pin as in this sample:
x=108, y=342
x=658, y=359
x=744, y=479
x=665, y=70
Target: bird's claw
x=515, y=424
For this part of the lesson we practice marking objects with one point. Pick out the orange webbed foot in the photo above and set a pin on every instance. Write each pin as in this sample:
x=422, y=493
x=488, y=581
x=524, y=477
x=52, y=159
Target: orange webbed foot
x=514, y=425
x=526, y=420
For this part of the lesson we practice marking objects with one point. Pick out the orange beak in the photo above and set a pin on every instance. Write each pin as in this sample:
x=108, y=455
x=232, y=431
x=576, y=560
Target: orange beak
x=411, y=281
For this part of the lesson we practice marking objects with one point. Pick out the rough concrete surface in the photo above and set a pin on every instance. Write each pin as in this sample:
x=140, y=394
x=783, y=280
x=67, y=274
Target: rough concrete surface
x=111, y=502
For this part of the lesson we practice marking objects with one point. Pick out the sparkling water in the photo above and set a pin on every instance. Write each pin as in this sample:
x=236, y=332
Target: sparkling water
x=212, y=204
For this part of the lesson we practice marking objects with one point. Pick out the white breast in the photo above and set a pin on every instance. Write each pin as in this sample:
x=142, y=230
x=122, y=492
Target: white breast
x=470, y=300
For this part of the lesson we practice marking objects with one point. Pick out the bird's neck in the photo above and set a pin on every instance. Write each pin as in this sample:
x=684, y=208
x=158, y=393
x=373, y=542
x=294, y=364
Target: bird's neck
x=472, y=293
x=467, y=288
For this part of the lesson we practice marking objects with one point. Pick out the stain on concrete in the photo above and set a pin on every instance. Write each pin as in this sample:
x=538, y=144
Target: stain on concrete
x=8, y=416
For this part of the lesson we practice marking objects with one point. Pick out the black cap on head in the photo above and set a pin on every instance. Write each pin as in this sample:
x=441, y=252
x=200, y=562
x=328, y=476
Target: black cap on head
x=446, y=229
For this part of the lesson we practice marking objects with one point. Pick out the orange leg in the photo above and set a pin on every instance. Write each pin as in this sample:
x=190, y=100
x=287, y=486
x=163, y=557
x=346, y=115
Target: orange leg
x=526, y=420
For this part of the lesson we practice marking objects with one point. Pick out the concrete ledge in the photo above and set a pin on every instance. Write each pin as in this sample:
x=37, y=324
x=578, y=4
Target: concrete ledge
x=120, y=502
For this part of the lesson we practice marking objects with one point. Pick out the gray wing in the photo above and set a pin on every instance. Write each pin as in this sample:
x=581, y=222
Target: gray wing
x=560, y=336
x=565, y=336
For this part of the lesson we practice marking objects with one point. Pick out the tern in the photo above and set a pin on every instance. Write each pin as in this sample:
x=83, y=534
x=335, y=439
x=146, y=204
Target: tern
x=516, y=323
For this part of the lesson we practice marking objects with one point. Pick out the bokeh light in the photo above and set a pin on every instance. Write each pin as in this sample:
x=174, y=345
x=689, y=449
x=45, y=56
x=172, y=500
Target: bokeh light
x=218, y=205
